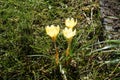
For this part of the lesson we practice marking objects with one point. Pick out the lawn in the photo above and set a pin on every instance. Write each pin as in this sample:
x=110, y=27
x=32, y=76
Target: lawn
x=28, y=53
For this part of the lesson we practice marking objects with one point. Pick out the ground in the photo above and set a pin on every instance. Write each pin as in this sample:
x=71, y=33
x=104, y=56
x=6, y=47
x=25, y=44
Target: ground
x=28, y=53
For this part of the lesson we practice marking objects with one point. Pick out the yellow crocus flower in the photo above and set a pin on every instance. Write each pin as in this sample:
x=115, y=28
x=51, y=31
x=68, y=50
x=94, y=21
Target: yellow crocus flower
x=70, y=22
x=52, y=31
x=69, y=33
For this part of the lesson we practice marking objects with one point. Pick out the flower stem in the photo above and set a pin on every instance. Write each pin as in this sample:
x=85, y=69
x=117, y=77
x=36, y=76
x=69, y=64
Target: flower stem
x=57, y=56
x=56, y=52
x=67, y=51
x=68, y=48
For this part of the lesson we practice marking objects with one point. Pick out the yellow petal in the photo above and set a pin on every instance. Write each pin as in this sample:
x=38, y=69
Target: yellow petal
x=68, y=33
x=52, y=30
x=70, y=23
